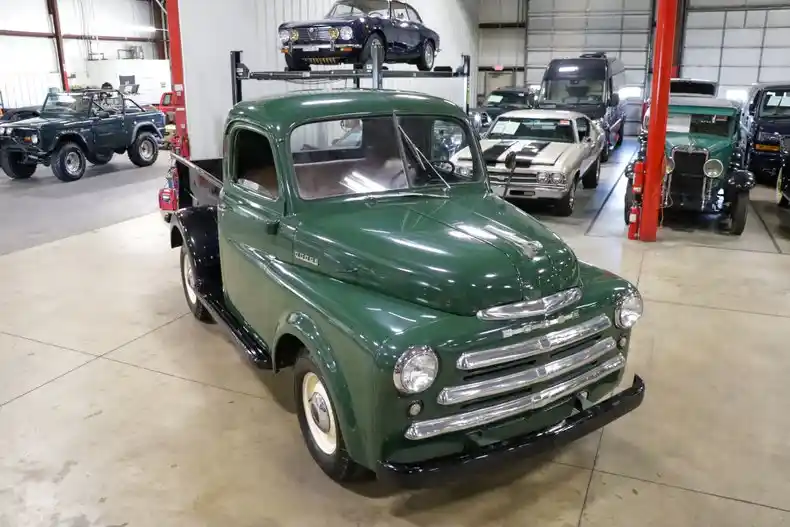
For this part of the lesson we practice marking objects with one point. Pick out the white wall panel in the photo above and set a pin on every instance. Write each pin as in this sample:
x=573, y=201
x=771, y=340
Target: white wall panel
x=24, y=15
x=737, y=47
x=27, y=69
x=105, y=17
x=208, y=40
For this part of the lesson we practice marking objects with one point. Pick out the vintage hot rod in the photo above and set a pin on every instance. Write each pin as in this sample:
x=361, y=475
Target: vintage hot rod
x=703, y=168
x=432, y=327
x=350, y=31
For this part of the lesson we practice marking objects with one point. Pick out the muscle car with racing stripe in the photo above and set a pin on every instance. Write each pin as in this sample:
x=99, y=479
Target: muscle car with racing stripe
x=350, y=31
x=555, y=150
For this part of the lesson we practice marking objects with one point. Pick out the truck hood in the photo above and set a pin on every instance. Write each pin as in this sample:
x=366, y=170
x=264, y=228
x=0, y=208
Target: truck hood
x=35, y=123
x=712, y=144
x=538, y=152
x=459, y=256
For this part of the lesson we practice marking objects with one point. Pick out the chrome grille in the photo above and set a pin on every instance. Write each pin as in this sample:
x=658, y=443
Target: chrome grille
x=500, y=178
x=503, y=382
x=314, y=34
x=689, y=162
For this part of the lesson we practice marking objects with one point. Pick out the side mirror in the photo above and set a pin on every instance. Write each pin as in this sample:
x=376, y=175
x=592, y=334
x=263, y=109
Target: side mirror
x=510, y=161
x=102, y=115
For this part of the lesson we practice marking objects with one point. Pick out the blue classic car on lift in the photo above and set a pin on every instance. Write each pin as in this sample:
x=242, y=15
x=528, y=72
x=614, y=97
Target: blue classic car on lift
x=352, y=28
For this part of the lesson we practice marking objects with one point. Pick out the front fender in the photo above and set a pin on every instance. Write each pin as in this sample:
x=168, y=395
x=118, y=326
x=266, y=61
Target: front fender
x=740, y=180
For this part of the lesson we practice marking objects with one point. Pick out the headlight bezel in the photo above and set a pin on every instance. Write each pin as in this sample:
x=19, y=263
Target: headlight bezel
x=405, y=360
x=346, y=33
x=285, y=35
x=635, y=310
x=670, y=166
x=714, y=162
x=557, y=178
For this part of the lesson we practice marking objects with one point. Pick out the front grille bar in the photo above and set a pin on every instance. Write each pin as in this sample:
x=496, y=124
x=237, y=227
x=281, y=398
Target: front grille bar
x=492, y=414
x=526, y=378
x=474, y=360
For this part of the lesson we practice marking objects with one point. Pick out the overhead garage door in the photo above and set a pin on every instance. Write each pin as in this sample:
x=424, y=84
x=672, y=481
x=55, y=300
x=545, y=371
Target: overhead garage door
x=736, y=45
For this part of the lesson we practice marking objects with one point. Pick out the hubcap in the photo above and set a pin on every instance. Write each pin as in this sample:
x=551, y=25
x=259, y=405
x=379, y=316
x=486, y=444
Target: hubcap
x=429, y=55
x=319, y=414
x=73, y=163
x=146, y=150
x=189, y=280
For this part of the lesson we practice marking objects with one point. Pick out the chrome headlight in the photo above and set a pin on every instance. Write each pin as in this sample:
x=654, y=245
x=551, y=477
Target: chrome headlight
x=543, y=177
x=285, y=36
x=628, y=311
x=557, y=179
x=670, y=166
x=346, y=33
x=415, y=370
x=713, y=168
x=34, y=139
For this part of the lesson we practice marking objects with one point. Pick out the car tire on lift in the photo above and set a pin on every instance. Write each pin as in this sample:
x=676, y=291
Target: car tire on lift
x=738, y=212
x=427, y=56
x=189, y=284
x=69, y=162
x=12, y=165
x=144, y=150
x=592, y=176
x=564, y=206
x=367, y=52
x=319, y=424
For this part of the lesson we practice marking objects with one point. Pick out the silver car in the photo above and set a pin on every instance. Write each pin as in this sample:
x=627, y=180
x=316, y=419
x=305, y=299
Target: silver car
x=554, y=151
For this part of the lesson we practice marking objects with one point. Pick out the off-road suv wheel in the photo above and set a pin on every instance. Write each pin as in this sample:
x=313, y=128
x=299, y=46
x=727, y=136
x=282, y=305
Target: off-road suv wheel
x=144, y=151
x=12, y=165
x=593, y=174
x=319, y=424
x=99, y=158
x=189, y=283
x=69, y=162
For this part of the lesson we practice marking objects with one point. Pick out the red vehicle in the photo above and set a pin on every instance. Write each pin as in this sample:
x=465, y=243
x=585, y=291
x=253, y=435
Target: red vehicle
x=167, y=106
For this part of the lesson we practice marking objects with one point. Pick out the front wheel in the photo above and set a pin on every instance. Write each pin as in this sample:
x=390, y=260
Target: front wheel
x=738, y=212
x=605, y=151
x=144, y=150
x=781, y=199
x=427, y=57
x=69, y=162
x=12, y=165
x=593, y=174
x=319, y=425
x=367, y=53
x=565, y=205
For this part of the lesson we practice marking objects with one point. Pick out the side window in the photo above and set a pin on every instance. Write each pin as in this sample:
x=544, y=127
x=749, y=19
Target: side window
x=448, y=139
x=166, y=99
x=253, y=164
x=583, y=127
x=413, y=15
x=399, y=11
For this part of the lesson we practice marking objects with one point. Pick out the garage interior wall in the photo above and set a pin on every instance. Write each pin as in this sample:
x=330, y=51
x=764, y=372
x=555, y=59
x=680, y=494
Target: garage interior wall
x=28, y=65
x=737, y=43
x=564, y=28
x=206, y=65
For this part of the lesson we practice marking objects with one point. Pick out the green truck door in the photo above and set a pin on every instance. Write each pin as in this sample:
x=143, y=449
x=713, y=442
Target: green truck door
x=251, y=207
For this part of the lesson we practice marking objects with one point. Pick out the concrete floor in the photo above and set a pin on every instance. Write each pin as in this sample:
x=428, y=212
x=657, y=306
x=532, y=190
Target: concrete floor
x=118, y=409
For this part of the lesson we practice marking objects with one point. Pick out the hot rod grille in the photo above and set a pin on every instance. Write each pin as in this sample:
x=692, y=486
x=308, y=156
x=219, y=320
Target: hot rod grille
x=689, y=162
x=314, y=34
x=687, y=184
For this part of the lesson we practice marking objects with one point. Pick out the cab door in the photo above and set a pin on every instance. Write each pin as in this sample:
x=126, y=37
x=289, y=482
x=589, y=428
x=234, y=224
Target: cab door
x=108, y=128
x=252, y=239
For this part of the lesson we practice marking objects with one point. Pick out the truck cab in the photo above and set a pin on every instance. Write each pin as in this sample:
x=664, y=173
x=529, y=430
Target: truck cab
x=432, y=328
x=589, y=84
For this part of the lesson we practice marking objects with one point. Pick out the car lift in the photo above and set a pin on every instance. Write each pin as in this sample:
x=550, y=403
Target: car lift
x=375, y=72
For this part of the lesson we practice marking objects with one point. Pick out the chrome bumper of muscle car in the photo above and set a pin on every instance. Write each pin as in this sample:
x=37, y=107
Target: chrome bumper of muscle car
x=525, y=185
x=576, y=370
x=317, y=47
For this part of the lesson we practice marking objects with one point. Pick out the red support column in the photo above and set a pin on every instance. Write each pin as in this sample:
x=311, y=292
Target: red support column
x=52, y=7
x=663, y=58
x=177, y=77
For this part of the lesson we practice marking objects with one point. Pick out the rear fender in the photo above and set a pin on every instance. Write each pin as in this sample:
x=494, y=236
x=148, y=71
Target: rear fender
x=196, y=228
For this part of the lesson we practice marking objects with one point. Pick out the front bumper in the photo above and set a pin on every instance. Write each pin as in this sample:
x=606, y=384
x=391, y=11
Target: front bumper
x=506, y=452
x=527, y=191
x=31, y=152
x=322, y=51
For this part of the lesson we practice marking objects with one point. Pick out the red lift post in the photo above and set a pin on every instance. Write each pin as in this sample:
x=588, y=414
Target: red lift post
x=663, y=55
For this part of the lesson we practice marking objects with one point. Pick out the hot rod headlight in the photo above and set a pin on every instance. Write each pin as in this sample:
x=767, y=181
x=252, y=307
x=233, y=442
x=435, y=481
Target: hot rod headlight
x=415, y=370
x=713, y=168
x=285, y=36
x=628, y=311
x=346, y=33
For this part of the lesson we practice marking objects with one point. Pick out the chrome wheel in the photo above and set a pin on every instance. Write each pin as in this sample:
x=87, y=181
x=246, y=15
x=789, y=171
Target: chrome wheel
x=146, y=150
x=572, y=194
x=73, y=163
x=428, y=55
x=319, y=414
x=189, y=280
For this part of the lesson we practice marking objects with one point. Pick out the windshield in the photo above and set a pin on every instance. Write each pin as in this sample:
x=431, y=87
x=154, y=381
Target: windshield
x=776, y=103
x=718, y=125
x=354, y=8
x=577, y=81
x=65, y=103
x=501, y=98
x=558, y=130
x=353, y=157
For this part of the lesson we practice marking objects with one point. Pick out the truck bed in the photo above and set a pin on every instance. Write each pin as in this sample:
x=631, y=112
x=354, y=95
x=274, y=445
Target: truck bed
x=198, y=182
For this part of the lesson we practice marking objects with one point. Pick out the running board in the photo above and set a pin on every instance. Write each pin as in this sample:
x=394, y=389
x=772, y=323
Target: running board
x=257, y=352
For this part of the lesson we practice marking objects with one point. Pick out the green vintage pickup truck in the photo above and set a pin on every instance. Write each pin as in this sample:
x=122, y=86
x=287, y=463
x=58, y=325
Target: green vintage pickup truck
x=432, y=327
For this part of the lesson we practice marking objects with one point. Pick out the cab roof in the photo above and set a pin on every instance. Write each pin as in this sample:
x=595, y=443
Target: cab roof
x=284, y=111
x=705, y=102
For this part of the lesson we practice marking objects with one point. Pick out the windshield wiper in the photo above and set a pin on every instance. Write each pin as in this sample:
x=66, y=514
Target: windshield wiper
x=422, y=158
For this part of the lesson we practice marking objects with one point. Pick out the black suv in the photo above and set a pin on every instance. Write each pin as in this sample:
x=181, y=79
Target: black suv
x=75, y=128
x=765, y=126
